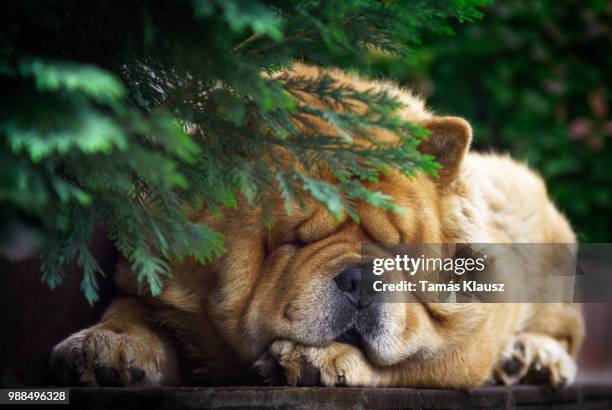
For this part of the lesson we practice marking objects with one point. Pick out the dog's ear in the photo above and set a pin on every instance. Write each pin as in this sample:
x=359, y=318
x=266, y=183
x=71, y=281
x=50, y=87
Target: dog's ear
x=448, y=141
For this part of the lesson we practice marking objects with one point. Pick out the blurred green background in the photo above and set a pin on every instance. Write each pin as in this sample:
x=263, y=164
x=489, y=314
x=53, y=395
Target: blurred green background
x=534, y=79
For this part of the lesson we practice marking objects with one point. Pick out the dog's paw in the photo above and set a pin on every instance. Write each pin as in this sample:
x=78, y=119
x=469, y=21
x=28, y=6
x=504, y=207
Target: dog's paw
x=343, y=365
x=536, y=359
x=103, y=356
x=335, y=365
x=285, y=363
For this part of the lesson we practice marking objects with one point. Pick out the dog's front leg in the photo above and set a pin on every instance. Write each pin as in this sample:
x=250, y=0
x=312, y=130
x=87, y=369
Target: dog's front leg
x=121, y=350
x=340, y=364
x=337, y=364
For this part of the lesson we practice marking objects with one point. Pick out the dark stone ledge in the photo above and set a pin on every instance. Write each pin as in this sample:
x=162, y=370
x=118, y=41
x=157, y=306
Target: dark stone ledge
x=589, y=396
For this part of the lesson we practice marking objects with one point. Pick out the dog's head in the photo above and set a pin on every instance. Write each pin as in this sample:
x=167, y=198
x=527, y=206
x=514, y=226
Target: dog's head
x=302, y=275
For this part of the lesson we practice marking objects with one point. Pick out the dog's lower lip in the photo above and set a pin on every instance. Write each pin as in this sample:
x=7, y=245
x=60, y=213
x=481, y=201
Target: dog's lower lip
x=351, y=337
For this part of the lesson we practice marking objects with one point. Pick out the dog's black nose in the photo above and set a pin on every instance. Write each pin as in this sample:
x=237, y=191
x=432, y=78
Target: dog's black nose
x=348, y=281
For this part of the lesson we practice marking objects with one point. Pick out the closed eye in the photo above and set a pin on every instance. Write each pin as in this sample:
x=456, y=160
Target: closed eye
x=296, y=243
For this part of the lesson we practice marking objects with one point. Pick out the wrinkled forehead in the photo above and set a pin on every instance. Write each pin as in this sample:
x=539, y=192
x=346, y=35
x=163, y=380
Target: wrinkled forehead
x=417, y=215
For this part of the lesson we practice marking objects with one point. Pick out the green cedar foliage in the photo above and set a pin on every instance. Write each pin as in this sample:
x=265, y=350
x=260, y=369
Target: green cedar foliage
x=99, y=98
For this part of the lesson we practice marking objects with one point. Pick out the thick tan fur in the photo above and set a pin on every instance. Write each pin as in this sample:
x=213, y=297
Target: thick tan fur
x=265, y=302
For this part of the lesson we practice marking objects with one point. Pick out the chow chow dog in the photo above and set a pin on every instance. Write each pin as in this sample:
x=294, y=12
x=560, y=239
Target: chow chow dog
x=282, y=305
